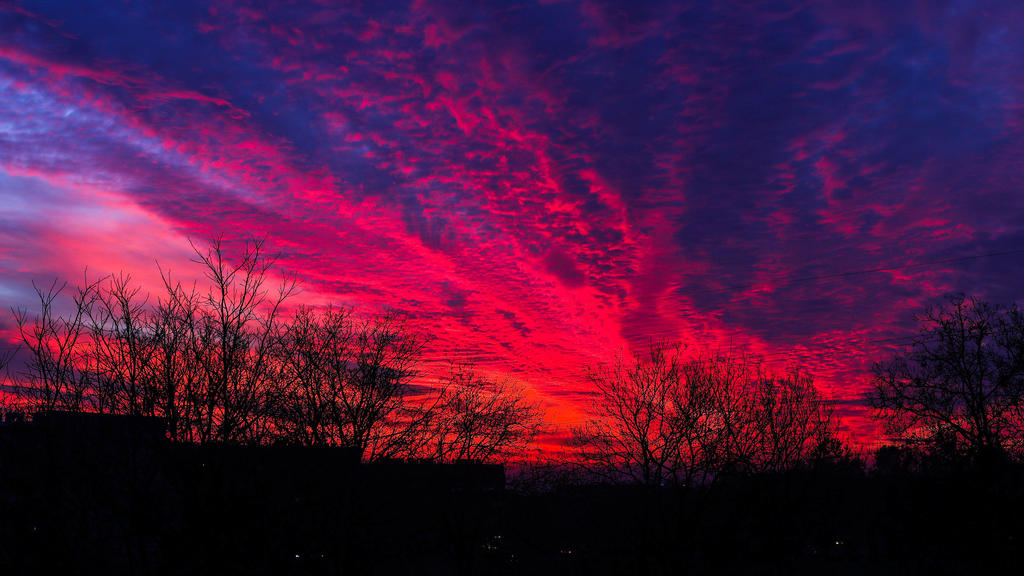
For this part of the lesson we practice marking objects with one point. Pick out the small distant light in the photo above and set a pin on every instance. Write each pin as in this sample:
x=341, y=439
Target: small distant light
x=296, y=555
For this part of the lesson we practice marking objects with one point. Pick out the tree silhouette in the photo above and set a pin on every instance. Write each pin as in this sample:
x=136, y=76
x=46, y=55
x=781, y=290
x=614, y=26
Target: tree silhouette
x=476, y=418
x=636, y=433
x=121, y=353
x=313, y=362
x=7, y=399
x=348, y=381
x=221, y=363
x=661, y=419
x=53, y=377
x=182, y=337
x=241, y=315
x=960, y=384
x=351, y=383
x=387, y=353
x=790, y=424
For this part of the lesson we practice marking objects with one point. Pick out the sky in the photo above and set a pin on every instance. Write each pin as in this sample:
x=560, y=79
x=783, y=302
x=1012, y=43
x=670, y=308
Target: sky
x=540, y=185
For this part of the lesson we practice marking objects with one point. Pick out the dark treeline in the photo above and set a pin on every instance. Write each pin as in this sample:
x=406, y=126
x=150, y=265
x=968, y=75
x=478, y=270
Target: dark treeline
x=224, y=364
x=111, y=494
x=660, y=419
x=216, y=429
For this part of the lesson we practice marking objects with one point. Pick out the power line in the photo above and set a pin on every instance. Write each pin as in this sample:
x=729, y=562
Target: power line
x=905, y=266
x=802, y=279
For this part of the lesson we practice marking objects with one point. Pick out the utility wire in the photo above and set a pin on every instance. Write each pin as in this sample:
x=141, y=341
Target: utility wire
x=802, y=279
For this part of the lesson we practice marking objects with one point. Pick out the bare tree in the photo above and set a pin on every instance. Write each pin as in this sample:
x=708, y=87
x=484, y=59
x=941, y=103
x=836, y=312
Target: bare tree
x=960, y=383
x=385, y=360
x=635, y=434
x=241, y=315
x=790, y=423
x=52, y=378
x=221, y=364
x=660, y=419
x=476, y=418
x=314, y=361
x=8, y=400
x=717, y=415
x=121, y=349
x=348, y=381
x=182, y=338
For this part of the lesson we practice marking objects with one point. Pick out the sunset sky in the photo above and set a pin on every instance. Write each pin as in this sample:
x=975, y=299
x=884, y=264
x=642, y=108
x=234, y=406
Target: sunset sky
x=541, y=185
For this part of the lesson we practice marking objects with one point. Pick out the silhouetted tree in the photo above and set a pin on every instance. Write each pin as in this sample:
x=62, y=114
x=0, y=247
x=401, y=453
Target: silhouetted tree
x=892, y=460
x=8, y=400
x=348, y=381
x=53, y=377
x=660, y=419
x=717, y=416
x=121, y=349
x=182, y=337
x=961, y=382
x=386, y=357
x=221, y=364
x=790, y=424
x=476, y=418
x=313, y=363
x=650, y=424
x=240, y=319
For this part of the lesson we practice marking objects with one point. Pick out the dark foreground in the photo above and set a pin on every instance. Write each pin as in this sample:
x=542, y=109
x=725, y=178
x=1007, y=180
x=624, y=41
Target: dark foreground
x=86, y=493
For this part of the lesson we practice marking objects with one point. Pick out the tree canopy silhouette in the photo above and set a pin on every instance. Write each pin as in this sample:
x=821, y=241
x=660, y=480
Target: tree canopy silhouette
x=661, y=419
x=223, y=362
x=959, y=387
x=478, y=418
